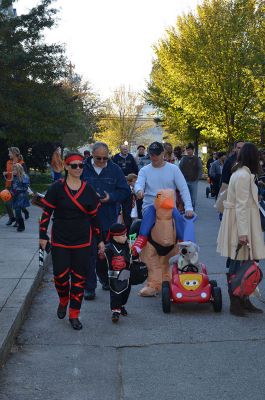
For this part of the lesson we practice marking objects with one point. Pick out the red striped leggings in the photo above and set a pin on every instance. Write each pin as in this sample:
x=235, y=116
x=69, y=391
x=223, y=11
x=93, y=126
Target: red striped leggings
x=69, y=269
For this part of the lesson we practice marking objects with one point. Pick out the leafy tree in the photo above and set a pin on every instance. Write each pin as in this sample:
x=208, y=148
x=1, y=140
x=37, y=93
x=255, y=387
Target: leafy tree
x=120, y=120
x=35, y=103
x=209, y=70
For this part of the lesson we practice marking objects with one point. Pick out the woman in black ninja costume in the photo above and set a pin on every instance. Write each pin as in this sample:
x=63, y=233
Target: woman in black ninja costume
x=74, y=205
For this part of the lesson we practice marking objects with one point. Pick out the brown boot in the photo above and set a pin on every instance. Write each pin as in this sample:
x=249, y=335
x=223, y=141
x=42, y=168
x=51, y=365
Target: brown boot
x=247, y=305
x=236, y=307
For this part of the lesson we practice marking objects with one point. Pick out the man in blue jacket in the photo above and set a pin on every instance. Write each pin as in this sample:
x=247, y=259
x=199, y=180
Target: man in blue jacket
x=109, y=182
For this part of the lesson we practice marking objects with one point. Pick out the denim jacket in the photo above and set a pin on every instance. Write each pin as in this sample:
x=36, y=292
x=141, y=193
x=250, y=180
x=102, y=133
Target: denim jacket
x=112, y=180
x=19, y=190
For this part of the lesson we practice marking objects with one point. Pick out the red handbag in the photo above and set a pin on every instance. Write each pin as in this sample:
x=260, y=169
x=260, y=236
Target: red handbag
x=246, y=278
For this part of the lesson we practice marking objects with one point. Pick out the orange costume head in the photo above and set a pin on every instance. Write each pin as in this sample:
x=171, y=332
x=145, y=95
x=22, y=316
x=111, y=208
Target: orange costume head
x=164, y=204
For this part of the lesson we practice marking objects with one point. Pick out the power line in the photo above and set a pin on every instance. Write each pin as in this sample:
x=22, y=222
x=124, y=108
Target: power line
x=118, y=119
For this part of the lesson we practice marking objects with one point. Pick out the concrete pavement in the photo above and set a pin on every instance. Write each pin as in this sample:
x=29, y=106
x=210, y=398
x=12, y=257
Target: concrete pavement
x=19, y=277
x=192, y=353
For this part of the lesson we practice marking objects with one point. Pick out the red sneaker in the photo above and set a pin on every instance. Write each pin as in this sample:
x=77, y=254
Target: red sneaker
x=139, y=244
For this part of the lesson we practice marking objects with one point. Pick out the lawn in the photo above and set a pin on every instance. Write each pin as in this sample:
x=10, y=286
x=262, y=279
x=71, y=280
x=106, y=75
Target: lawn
x=38, y=182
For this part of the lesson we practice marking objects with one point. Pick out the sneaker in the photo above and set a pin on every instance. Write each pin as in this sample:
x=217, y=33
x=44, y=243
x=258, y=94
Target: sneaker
x=115, y=316
x=139, y=244
x=124, y=311
x=89, y=294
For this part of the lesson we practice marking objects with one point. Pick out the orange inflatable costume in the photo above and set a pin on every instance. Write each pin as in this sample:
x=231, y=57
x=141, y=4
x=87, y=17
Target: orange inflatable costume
x=161, y=245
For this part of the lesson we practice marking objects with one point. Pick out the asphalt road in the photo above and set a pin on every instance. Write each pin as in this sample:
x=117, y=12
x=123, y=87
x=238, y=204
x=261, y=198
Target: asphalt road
x=192, y=353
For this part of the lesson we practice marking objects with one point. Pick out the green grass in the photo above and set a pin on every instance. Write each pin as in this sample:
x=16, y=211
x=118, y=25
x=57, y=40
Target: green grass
x=2, y=208
x=40, y=178
x=39, y=187
x=39, y=182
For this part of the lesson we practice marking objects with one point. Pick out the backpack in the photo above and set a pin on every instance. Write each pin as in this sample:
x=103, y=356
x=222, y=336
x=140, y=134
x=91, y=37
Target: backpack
x=246, y=278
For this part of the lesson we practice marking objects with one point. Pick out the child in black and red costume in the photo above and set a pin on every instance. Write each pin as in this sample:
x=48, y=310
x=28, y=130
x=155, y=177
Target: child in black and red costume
x=118, y=258
x=74, y=205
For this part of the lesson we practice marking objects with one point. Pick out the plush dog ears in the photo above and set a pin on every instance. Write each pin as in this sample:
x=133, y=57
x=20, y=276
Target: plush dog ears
x=189, y=244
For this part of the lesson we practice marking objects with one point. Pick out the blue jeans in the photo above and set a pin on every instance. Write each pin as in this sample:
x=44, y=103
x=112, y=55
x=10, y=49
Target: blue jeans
x=149, y=219
x=193, y=188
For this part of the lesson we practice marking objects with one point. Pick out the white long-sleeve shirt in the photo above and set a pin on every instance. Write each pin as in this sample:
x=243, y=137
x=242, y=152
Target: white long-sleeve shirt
x=150, y=180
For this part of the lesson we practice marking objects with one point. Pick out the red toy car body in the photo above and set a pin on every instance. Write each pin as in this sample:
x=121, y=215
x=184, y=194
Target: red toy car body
x=188, y=285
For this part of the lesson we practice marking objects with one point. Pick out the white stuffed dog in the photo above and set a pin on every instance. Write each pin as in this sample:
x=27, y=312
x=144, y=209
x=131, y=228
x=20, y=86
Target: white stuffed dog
x=188, y=254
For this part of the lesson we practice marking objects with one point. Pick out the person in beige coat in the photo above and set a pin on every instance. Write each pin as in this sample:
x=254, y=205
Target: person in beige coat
x=241, y=220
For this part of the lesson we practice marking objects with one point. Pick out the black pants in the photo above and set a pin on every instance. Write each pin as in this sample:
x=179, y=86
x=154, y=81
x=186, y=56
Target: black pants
x=102, y=266
x=69, y=269
x=216, y=185
x=118, y=300
x=9, y=210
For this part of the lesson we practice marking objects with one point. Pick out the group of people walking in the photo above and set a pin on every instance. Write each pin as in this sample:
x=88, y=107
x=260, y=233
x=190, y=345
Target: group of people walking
x=95, y=194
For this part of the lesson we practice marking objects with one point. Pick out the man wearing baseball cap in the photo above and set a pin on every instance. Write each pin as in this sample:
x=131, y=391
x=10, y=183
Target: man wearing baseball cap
x=161, y=175
x=154, y=177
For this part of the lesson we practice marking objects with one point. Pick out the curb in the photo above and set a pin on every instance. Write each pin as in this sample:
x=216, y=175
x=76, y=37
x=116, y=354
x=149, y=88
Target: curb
x=11, y=330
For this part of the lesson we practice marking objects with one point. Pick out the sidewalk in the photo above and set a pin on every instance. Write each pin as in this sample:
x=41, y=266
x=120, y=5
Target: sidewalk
x=19, y=277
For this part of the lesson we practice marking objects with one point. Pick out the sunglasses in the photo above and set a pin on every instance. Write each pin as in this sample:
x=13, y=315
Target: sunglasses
x=75, y=166
x=101, y=158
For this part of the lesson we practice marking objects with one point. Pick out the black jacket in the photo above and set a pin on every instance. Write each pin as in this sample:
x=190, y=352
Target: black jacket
x=127, y=164
x=227, y=168
x=75, y=215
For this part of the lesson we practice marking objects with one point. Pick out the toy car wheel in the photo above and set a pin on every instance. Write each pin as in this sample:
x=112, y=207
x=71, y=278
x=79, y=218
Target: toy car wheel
x=213, y=283
x=208, y=190
x=166, y=303
x=217, y=299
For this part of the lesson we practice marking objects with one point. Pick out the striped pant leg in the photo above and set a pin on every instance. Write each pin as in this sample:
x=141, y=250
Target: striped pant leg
x=61, y=269
x=80, y=259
